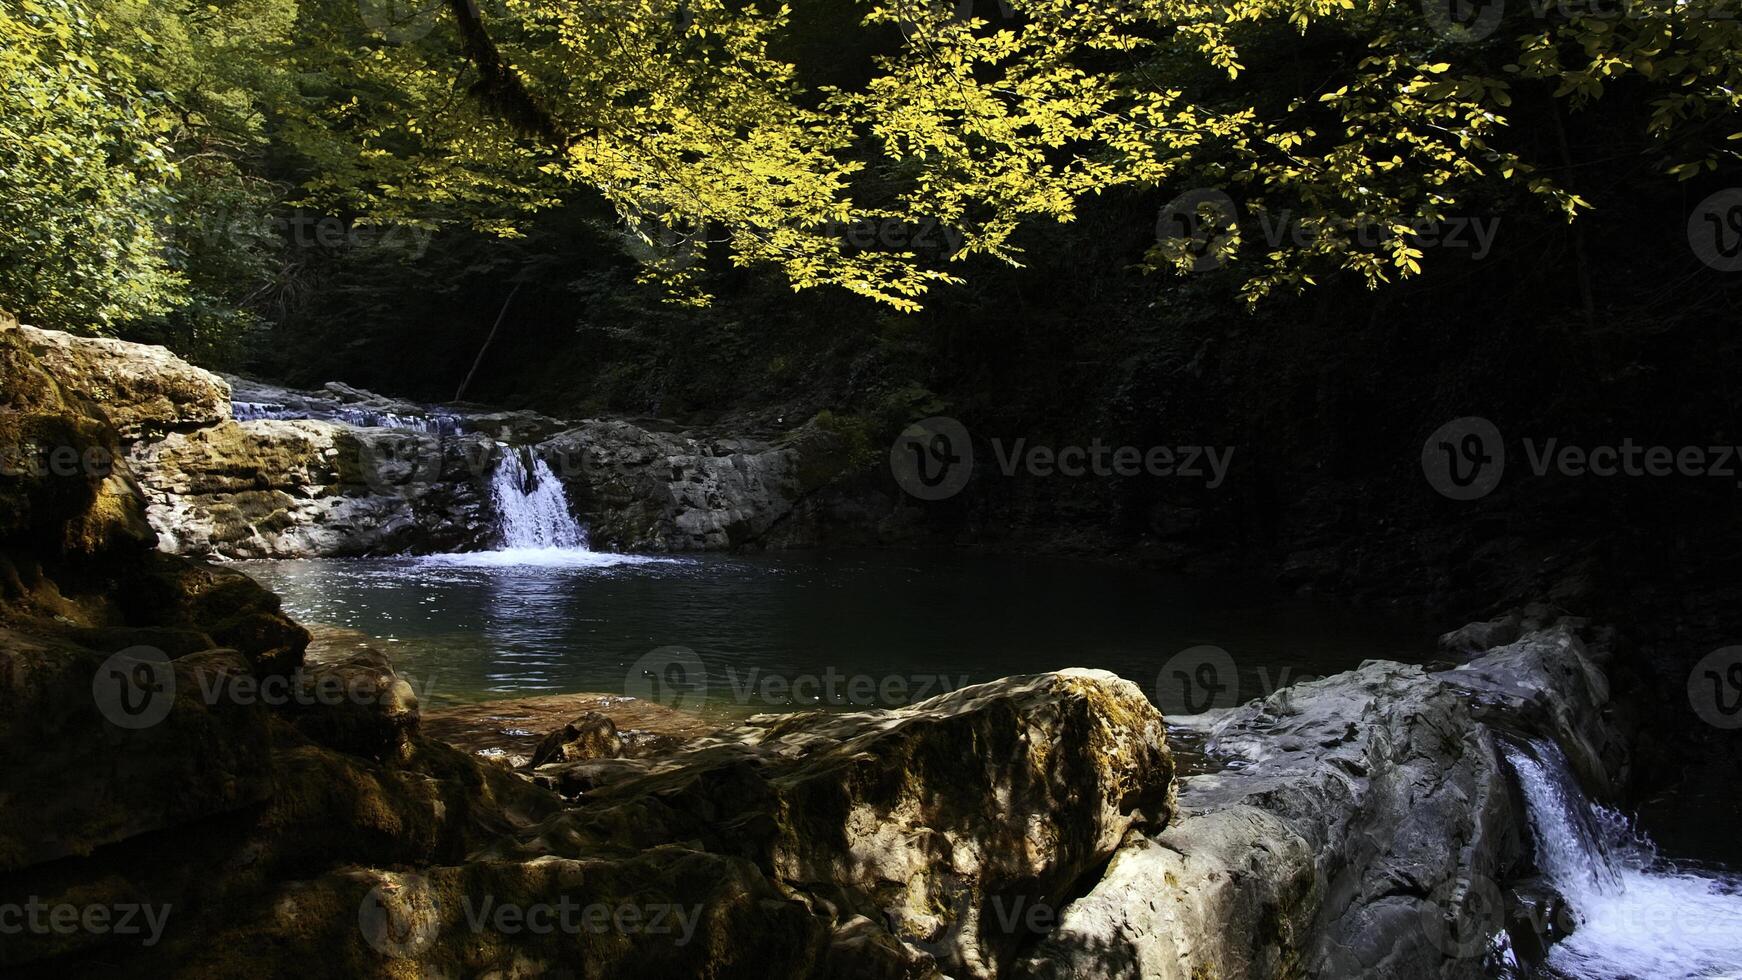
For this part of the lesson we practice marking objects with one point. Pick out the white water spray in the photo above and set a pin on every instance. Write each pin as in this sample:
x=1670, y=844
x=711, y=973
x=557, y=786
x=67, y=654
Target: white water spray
x=1638, y=915
x=532, y=510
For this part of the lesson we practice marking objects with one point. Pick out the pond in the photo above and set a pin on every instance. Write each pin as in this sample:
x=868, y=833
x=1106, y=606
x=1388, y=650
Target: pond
x=766, y=632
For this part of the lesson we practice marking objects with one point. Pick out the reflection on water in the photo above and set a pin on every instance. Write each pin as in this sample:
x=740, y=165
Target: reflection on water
x=478, y=627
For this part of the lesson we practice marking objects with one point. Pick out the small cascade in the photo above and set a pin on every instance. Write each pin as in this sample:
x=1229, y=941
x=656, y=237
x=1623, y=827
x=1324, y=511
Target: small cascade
x=1573, y=838
x=1638, y=915
x=253, y=411
x=531, y=508
x=367, y=418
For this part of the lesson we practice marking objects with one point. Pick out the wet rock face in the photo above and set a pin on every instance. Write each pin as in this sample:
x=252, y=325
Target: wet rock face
x=288, y=489
x=64, y=487
x=346, y=472
x=881, y=844
x=1361, y=831
x=650, y=490
x=643, y=486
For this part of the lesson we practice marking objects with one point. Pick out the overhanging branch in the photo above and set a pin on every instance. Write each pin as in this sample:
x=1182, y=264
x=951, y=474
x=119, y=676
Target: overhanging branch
x=498, y=85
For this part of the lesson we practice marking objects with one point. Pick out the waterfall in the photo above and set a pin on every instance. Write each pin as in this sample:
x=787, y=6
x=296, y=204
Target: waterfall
x=532, y=510
x=1638, y=915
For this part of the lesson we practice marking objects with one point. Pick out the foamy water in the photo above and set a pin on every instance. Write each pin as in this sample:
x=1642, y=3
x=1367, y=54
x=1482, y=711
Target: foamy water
x=1639, y=915
x=532, y=508
x=542, y=558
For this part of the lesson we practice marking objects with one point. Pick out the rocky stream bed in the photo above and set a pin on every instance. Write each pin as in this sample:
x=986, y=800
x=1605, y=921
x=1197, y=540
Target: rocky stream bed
x=1362, y=825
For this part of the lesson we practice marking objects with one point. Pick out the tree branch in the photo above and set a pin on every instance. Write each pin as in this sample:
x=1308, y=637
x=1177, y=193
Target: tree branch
x=498, y=85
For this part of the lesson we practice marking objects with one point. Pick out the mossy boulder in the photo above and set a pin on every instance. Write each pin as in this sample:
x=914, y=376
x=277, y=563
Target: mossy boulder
x=949, y=822
x=144, y=390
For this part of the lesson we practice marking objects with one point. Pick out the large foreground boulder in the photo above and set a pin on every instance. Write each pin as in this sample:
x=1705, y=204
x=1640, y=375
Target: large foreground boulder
x=1357, y=826
x=912, y=843
x=90, y=759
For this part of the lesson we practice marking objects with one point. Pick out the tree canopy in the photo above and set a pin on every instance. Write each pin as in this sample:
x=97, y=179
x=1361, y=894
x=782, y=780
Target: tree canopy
x=147, y=148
